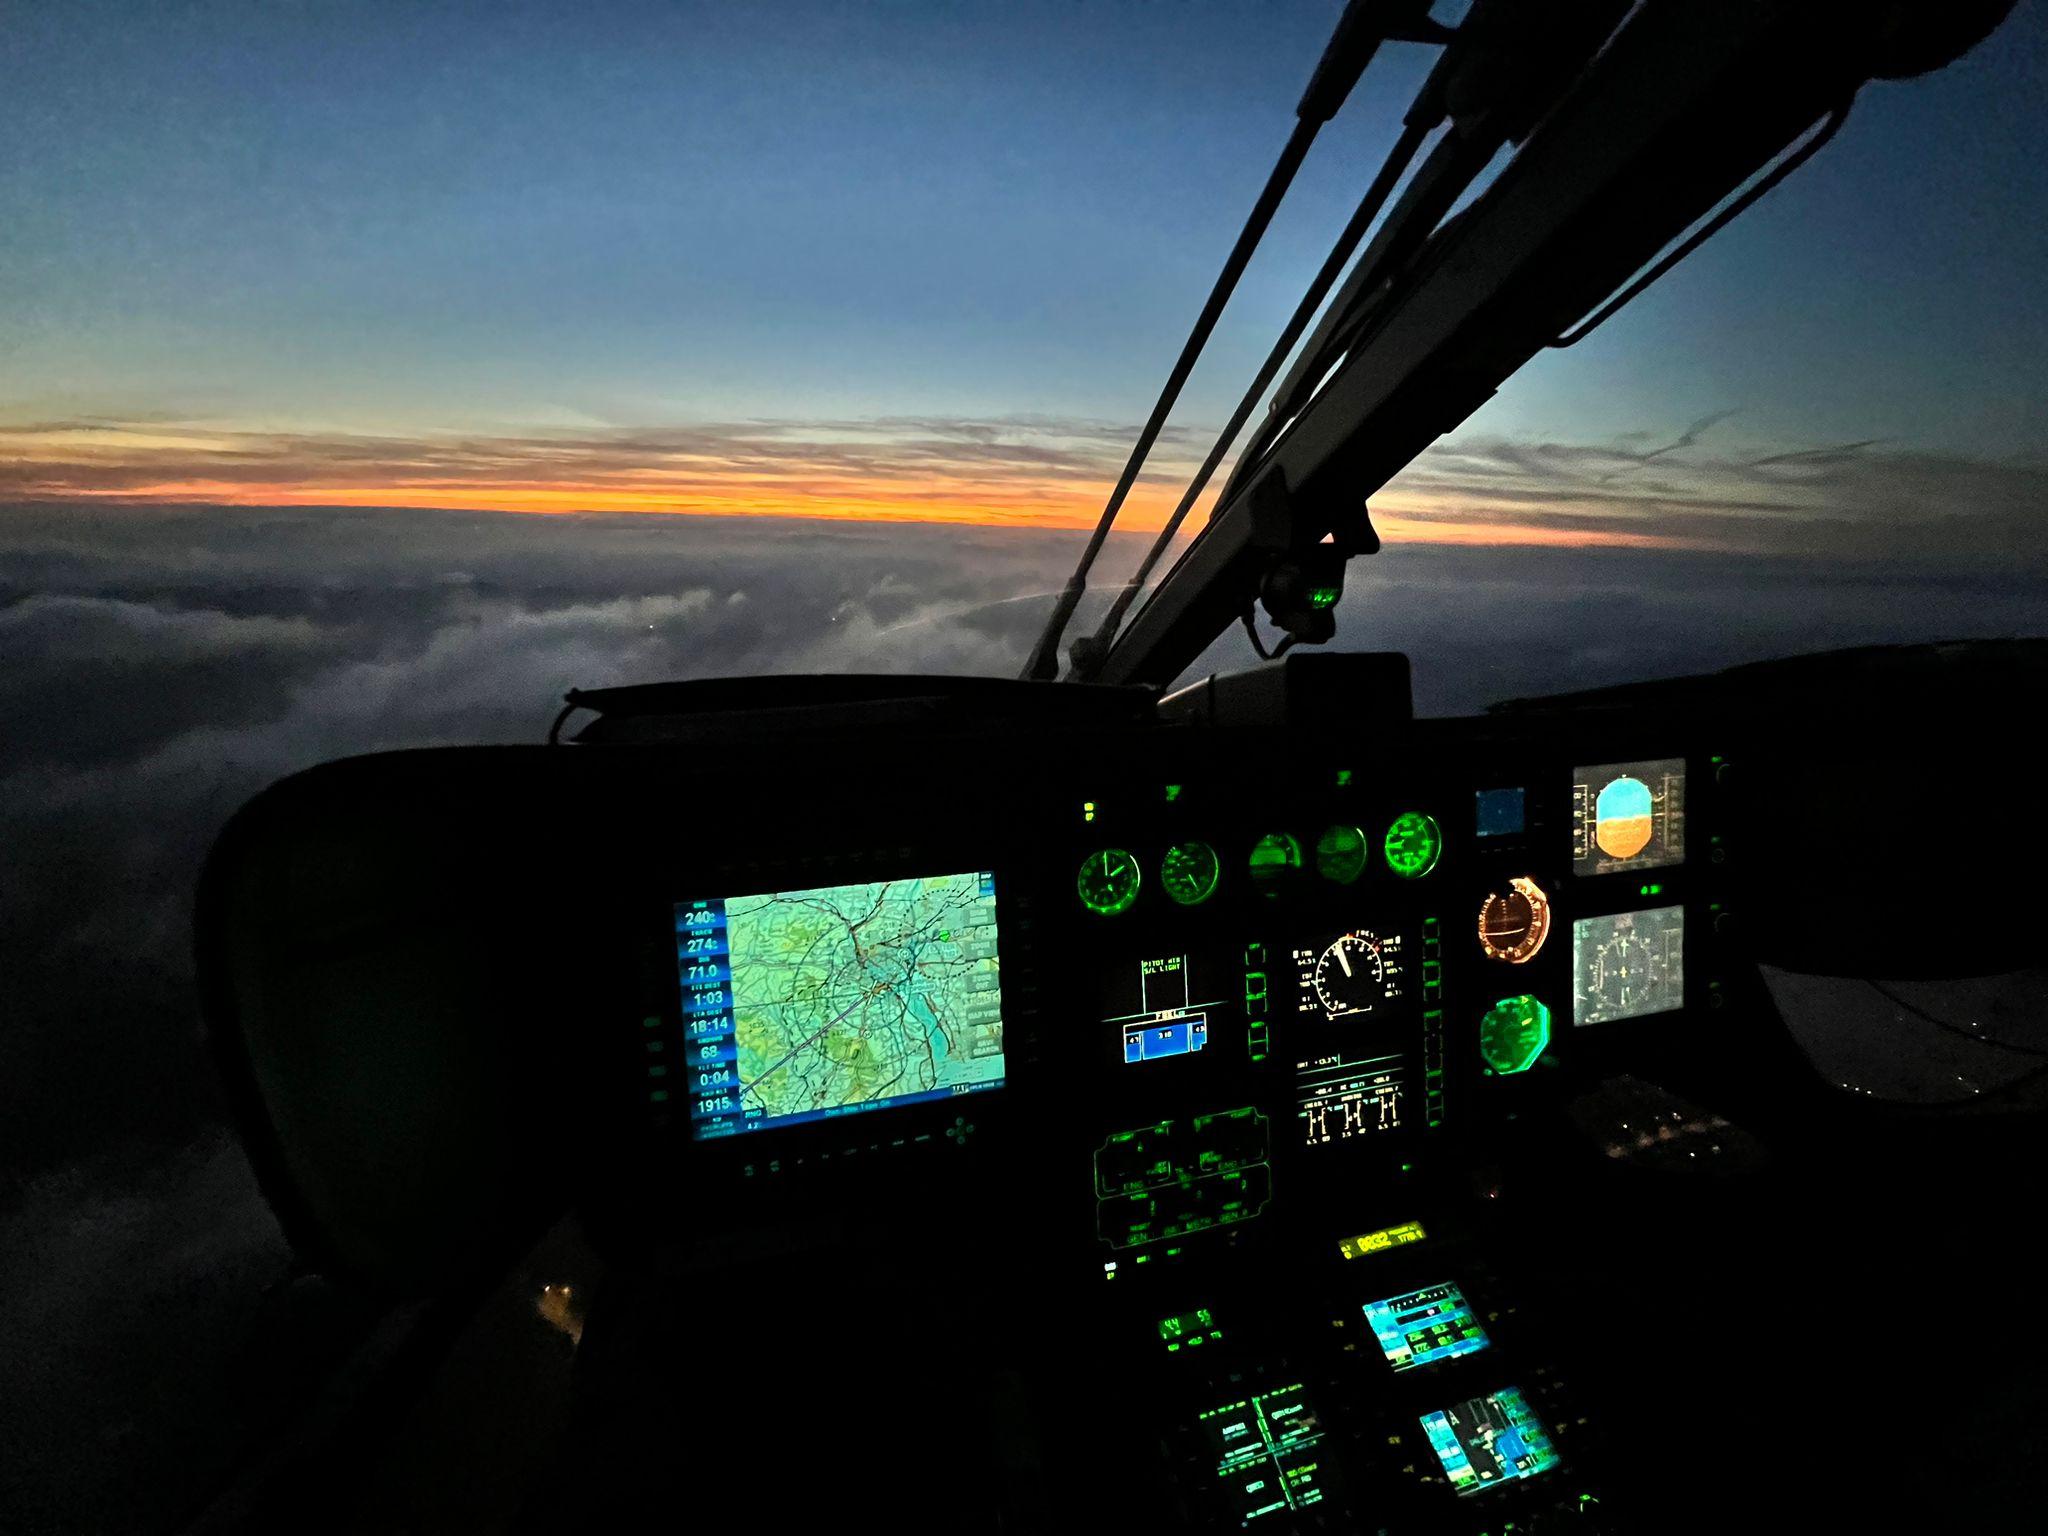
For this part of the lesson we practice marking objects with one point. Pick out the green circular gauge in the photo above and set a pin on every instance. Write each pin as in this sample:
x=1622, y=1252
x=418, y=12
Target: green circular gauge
x=1414, y=843
x=1274, y=857
x=1340, y=854
x=1515, y=1031
x=1189, y=873
x=1108, y=881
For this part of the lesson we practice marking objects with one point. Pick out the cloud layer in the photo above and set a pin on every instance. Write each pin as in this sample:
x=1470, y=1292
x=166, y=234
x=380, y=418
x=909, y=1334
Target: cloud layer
x=1704, y=487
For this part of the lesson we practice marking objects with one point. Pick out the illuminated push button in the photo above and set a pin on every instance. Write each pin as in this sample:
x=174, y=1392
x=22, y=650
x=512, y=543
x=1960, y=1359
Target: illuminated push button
x=1414, y=843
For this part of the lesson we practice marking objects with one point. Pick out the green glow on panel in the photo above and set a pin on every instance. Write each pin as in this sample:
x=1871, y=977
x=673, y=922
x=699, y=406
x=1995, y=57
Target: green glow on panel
x=1274, y=855
x=1107, y=881
x=1382, y=1240
x=1514, y=1032
x=1340, y=854
x=1414, y=843
x=1189, y=872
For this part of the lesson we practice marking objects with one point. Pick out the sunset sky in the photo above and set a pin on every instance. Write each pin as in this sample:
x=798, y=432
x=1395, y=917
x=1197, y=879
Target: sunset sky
x=919, y=261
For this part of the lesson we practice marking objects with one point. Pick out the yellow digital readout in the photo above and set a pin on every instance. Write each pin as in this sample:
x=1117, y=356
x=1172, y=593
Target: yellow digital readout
x=1379, y=1242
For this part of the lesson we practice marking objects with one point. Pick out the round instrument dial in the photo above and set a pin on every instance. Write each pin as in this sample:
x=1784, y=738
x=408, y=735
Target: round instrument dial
x=1274, y=858
x=1351, y=975
x=1340, y=854
x=1513, y=1033
x=1107, y=882
x=1189, y=872
x=1513, y=924
x=1414, y=843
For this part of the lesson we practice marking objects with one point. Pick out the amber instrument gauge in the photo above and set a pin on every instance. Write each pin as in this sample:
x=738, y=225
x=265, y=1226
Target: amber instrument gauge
x=1514, y=924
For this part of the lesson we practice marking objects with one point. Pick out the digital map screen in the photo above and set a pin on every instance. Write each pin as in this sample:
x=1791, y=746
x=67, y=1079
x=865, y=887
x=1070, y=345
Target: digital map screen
x=804, y=1005
x=1628, y=965
x=1484, y=1442
x=1628, y=816
x=1425, y=1326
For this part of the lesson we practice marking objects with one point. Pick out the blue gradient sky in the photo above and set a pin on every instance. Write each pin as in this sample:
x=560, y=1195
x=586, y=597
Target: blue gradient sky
x=415, y=220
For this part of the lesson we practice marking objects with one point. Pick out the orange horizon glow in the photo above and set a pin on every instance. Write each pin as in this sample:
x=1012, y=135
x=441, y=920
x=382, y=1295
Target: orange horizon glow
x=1063, y=511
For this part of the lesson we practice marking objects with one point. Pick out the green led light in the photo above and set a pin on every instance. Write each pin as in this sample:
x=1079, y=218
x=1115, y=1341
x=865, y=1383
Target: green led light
x=1650, y=890
x=1340, y=854
x=1189, y=872
x=1107, y=881
x=1343, y=777
x=1414, y=843
x=1172, y=793
x=1274, y=856
x=1087, y=810
x=1514, y=1032
x=1323, y=597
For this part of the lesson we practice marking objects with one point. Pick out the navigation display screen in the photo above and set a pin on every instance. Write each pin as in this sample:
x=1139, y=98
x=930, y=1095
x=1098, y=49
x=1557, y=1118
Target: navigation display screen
x=1162, y=1009
x=804, y=1005
x=1628, y=816
x=1425, y=1326
x=1266, y=1454
x=1628, y=965
x=1498, y=812
x=1484, y=1442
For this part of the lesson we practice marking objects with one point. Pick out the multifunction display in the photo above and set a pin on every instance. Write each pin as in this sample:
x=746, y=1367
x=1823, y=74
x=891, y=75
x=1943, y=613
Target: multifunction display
x=1425, y=1326
x=1267, y=1454
x=1161, y=1011
x=1628, y=816
x=802, y=1005
x=1628, y=965
x=1484, y=1442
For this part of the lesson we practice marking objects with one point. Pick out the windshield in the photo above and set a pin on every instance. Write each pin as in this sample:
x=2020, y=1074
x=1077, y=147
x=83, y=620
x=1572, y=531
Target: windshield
x=371, y=375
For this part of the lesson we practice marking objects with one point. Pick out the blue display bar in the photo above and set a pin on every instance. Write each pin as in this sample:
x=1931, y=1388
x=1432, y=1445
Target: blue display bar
x=1151, y=1039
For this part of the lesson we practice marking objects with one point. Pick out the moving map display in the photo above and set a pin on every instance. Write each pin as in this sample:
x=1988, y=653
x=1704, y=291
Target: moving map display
x=1628, y=965
x=804, y=1005
x=1628, y=816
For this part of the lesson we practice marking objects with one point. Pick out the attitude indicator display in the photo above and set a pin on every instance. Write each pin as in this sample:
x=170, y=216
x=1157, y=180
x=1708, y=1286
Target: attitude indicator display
x=1628, y=965
x=1628, y=816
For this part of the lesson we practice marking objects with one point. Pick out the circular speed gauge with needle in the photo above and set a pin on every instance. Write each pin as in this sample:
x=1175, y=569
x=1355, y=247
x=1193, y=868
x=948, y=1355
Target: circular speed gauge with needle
x=1513, y=924
x=1351, y=975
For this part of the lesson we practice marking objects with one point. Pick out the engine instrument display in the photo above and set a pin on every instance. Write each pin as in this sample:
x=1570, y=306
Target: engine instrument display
x=804, y=1005
x=1425, y=1326
x=1266, y=1454
x=1628, y=816
x=1353, y=973
x=1514, y=923
x=1164, y=1016
x=1339, y=1097
x=1628, y=965
x=1484, y=1442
